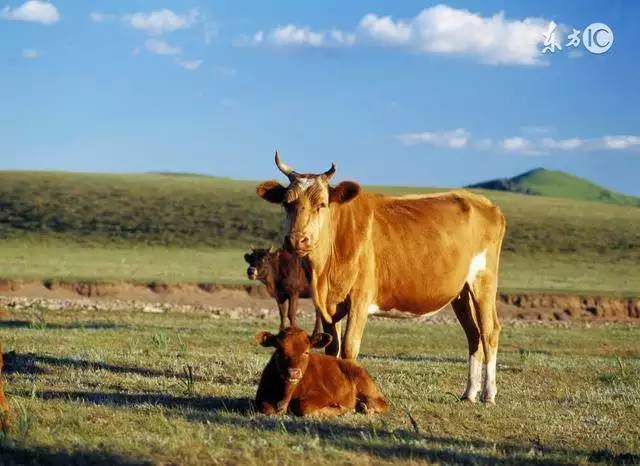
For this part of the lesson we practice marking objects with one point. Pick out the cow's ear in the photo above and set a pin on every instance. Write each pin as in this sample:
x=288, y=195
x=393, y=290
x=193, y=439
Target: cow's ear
x=247, y=257
x=320, y=340
x=271, y=191
x=344, y=192
x=266, y=338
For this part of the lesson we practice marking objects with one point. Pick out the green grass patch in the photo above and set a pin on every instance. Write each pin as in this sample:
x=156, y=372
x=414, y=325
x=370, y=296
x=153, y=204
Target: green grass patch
x=61, y=260
x=176, y=388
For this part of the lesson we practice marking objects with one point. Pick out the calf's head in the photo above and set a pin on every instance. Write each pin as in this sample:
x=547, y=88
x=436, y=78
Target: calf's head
x=307, y=202
x=293, y=348
x=259, y=264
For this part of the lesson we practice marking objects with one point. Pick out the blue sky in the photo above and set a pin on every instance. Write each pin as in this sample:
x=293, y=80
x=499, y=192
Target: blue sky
x=421, y=93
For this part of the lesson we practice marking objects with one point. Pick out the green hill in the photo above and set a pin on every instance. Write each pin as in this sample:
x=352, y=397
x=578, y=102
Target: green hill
x=208, y=211
x=543, y=182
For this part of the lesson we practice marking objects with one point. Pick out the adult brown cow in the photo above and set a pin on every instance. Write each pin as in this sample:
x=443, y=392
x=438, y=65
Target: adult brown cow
x=415, y=253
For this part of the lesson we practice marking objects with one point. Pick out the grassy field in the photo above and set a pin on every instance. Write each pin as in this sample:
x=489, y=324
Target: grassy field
x=195, y=228
x=91, y=388
x=586, y=274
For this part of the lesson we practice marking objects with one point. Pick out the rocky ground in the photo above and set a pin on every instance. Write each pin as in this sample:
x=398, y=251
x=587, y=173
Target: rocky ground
x=243, y=301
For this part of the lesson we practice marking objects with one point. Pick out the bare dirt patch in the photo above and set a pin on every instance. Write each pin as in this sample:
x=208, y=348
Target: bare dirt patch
x=254, y=300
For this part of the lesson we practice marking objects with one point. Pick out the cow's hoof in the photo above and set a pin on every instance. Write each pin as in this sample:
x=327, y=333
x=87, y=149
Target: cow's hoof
x=467, y=399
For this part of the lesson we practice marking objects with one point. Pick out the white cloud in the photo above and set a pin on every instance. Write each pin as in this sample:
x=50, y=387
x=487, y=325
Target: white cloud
x=33, y=11
x=441, y=29
x=190, y=65
x=301, y=36
x=383, y=28
x=291, y=34
x=461, y=138
x=342, y=37
x=456, y=139
x=161, y=21
x=30, y=54
x=563, y=144
x=620, y=142
x=515, y=144
x=160, y=47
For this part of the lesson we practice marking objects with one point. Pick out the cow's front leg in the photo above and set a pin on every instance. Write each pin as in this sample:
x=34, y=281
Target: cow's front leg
x=356, y=321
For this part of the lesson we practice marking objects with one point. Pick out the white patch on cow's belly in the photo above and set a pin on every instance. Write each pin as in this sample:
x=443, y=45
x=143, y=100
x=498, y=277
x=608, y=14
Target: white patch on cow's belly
x=478, y=264
x=372, y=309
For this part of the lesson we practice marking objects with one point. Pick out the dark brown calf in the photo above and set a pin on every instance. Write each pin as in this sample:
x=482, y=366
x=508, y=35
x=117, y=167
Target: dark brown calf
x=282, y=274
x=307, y=384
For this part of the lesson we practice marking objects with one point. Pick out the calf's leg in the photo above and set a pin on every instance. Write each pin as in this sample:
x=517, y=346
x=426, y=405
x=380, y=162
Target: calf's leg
x=283, y=314
x=293, y=308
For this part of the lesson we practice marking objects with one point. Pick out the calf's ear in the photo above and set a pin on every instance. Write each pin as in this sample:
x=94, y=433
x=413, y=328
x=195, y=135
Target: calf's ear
x=320, y=340
x=266, y=338
x=344, y=192
x=271, y=191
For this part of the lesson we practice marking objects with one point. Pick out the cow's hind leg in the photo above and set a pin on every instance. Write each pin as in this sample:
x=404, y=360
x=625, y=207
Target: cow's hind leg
x=463, y=307
x=484, y=300
x=369, y=398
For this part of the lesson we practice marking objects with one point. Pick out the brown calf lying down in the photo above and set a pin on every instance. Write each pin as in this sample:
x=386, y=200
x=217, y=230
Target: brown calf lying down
x=308, y=384
x=4, y=406
x=283, y=276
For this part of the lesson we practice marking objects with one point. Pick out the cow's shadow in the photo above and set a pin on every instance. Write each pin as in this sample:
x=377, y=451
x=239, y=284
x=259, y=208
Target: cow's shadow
x=20, y=455
x=31, y=363
x=64, y=326
x=239, y=412
x=209, y=404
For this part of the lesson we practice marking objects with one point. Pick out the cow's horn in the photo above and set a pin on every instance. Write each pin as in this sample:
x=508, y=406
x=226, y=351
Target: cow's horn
x=286, y=169
x=329, y=173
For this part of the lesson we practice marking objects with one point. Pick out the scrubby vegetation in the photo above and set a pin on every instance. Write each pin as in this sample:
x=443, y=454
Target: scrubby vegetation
x=178, y=227
x=205, y=211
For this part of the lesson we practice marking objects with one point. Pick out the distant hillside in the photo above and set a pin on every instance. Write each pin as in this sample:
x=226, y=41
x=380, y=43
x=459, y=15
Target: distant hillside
x=543, y=182
x=187, y=211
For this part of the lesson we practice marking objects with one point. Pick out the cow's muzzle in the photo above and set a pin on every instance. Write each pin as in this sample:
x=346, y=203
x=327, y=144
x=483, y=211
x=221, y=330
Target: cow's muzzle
x=252, y=273
x=299, y=244
x=294, y=375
